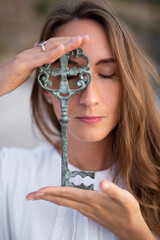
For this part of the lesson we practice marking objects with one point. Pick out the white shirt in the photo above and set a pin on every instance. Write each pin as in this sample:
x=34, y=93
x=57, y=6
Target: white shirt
x=23, y=171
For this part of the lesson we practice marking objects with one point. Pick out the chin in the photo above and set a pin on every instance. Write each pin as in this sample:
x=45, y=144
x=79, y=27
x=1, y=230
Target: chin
x=91, y=136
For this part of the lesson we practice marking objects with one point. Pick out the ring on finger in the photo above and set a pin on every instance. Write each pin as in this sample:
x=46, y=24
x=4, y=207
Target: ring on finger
x=42, y=45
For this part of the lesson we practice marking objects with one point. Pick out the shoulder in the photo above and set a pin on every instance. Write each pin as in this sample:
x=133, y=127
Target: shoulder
x=13, y=155
x=18, y=161
x=12, y=151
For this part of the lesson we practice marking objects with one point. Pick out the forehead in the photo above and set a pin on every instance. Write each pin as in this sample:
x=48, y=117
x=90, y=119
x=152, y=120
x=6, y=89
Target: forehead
x=97, y=47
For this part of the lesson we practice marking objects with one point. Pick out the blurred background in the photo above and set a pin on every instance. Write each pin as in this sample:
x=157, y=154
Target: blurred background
x=20, y=25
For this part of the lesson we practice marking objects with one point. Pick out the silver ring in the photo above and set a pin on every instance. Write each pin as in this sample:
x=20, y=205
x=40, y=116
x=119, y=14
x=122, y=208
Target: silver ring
x=41, y=44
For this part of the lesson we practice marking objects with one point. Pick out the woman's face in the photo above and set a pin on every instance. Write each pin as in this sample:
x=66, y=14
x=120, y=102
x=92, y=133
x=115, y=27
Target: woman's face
x=94, y=111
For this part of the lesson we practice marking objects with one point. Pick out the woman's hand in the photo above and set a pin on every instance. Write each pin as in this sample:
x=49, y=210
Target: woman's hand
x=112, y=207
x=17, y=71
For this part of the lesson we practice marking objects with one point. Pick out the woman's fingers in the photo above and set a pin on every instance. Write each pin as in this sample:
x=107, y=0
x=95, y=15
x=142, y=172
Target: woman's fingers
x=111, y=195
x=70, y=193
x=63, y=196
x=62, y=201
x=72, y=41
x=112, y=191
x=54, y=49
x=18, y=69
x=118, y=195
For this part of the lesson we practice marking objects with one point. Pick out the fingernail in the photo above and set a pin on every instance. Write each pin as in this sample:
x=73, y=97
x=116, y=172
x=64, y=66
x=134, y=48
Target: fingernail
x=39, y=194
x=85, y=37
x=105, y=185
x=27, y=198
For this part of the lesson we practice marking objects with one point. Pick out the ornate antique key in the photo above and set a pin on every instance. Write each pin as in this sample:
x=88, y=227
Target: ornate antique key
x=64, y=81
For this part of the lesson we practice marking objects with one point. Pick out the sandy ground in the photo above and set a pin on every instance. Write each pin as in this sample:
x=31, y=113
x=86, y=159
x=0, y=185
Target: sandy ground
x=16, y=128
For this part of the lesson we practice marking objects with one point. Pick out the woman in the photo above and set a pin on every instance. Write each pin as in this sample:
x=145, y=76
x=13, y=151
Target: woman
x=113, y=130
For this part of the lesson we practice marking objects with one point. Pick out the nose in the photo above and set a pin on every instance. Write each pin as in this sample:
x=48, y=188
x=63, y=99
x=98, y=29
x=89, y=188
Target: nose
x=90, y=95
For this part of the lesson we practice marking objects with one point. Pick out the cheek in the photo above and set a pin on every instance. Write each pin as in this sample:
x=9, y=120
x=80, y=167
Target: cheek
x=117, y=102
x=113, y=99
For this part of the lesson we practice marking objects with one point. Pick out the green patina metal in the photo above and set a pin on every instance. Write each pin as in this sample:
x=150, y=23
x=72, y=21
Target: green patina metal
x=63, y=93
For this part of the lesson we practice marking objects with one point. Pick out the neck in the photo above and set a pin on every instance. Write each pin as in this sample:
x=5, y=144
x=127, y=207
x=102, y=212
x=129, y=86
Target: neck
x=92, y=156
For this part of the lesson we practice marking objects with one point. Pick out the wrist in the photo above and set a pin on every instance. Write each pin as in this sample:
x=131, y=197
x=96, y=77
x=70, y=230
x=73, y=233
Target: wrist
x=141, y=231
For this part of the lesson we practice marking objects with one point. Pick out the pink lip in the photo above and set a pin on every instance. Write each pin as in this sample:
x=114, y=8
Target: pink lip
x=89, y=119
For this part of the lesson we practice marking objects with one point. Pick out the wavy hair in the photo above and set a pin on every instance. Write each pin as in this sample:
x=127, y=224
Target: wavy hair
x=136, y=140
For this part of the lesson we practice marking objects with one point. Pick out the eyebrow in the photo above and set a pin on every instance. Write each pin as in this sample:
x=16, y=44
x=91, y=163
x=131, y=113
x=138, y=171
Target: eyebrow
x=106, y=60
x=102, y=61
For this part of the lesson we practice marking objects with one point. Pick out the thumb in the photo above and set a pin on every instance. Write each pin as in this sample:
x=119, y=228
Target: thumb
x=114, y=192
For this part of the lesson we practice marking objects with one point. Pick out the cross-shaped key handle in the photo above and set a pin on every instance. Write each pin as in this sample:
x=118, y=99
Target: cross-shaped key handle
x=72, y=80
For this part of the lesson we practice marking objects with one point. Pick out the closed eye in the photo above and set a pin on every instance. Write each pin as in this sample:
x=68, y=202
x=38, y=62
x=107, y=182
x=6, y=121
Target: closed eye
x=101, y=75
x=107, y=76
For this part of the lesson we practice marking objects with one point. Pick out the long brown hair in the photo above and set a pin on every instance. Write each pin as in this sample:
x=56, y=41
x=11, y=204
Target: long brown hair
x=136, y=142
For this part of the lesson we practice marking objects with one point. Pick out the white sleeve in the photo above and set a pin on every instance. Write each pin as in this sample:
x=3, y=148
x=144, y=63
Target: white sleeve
x=4, y=209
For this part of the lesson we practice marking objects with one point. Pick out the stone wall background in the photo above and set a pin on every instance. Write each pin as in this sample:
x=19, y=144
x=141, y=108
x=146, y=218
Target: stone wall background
x=20, y=25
